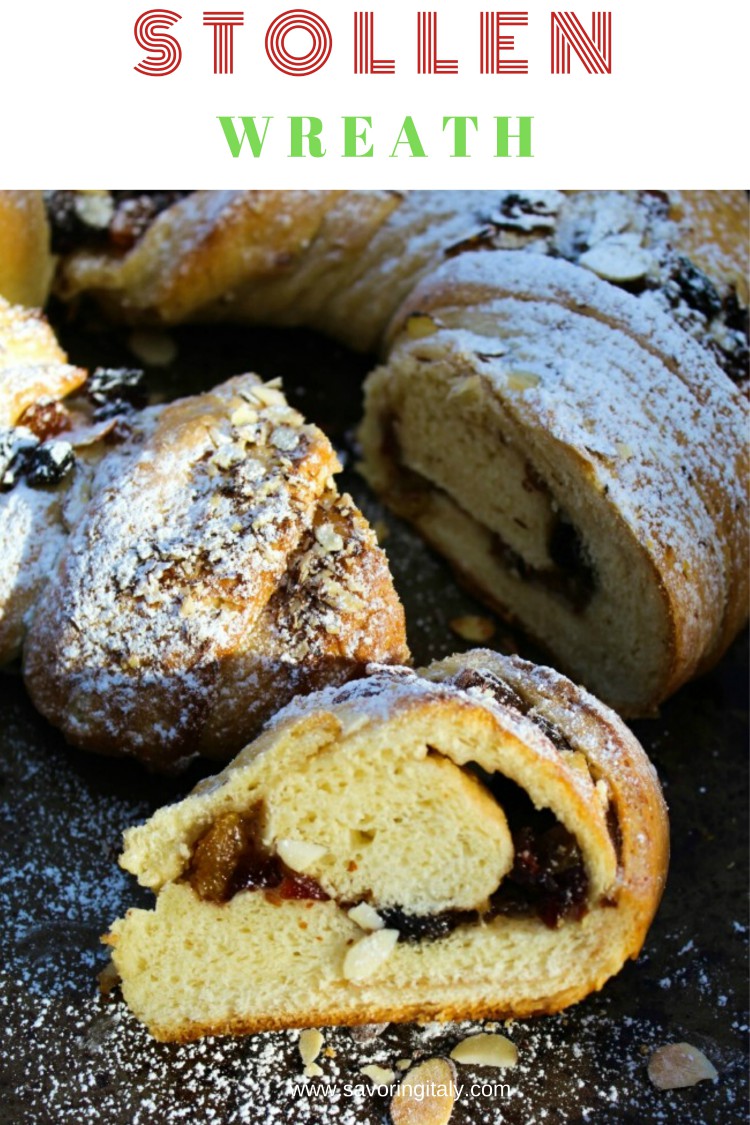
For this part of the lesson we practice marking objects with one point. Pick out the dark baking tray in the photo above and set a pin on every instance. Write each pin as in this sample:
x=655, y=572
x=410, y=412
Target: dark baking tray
x=70, y=1055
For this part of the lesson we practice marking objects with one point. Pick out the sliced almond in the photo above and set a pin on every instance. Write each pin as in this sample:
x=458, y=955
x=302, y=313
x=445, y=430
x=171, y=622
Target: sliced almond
x=310, y=1044
x=486, y=1050
x=679, y=1064
x=285, y=438
x=602, y=792
x=366, y=956
x=367, y=1032
x=157, y=349
x=522, y=380
x=380, y=1075
x=420, y=325
x=470, y=385
x=473, y=627
x=95, y=208
x=366, y=916
x=620, y=257
x=425, y=1095
x=267, y=394
x=300, y=855
x=227, y=455
x=329, y=539
x=108, y=978
x=244, y=415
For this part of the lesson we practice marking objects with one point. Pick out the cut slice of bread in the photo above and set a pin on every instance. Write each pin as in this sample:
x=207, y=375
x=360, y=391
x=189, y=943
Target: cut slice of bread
x=578, y=458
x=480, y=838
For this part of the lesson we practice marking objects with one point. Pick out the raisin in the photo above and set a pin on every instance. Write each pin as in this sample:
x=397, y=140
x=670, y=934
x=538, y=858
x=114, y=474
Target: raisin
x=689, y=284
x=119, y=384
x=425, y=927
x=116, y=391
x=514, y=206
x=484, y=239
x=547, y=874
x=576, y=578
x=14, y=447
x=68, y=230
x=230, y=857
x=134, y=211
x=296, y=886
x=553, y=732
x=131, y=221
x=45, y=419
x=48, y=463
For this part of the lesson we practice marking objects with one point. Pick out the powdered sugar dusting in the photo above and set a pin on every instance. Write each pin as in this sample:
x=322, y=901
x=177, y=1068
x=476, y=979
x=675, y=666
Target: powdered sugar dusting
x=192, y=528
x=654, y=423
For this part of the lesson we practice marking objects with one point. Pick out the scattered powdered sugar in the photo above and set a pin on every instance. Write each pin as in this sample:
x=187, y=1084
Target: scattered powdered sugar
x=70, y=1056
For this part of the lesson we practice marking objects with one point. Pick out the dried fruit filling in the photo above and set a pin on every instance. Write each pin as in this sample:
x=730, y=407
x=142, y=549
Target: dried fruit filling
x=230, y=857
x=572, y=575
x=548, y=877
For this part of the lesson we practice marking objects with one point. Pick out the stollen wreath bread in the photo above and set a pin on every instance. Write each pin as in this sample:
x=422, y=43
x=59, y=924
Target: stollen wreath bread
x=578, y=458
x=556, y=412
x=480, y=838
x=175, y=573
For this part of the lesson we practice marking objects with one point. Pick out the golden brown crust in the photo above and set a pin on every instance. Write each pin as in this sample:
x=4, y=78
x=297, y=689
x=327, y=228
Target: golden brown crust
x=408, y=1013
x=345, y=261
x=342, y=262
x=165, y=629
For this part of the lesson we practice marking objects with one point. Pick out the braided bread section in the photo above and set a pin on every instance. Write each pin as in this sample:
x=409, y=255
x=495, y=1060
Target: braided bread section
x=164, y=631
x=578, y=457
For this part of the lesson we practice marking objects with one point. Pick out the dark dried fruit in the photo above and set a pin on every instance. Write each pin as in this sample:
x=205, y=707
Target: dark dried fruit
x=116, y=391
x=68, y=229
x=424, y=927
x=515, y=207
x=124, y=384
x=548, y=875
x=131, y=221
x=553, y=733
x=230, y=857
x=133, y=212
x=49, y=463
x=296, y=886
x=12, y=444
x=484, y=239
x=568, y=553
x=689, y=284
x=22, y=456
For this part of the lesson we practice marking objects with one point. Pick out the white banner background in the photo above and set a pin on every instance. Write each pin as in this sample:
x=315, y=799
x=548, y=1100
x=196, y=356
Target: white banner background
x=77, y=114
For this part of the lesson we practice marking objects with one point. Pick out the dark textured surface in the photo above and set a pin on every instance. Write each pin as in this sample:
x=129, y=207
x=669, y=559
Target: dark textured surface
x=69, y=1056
